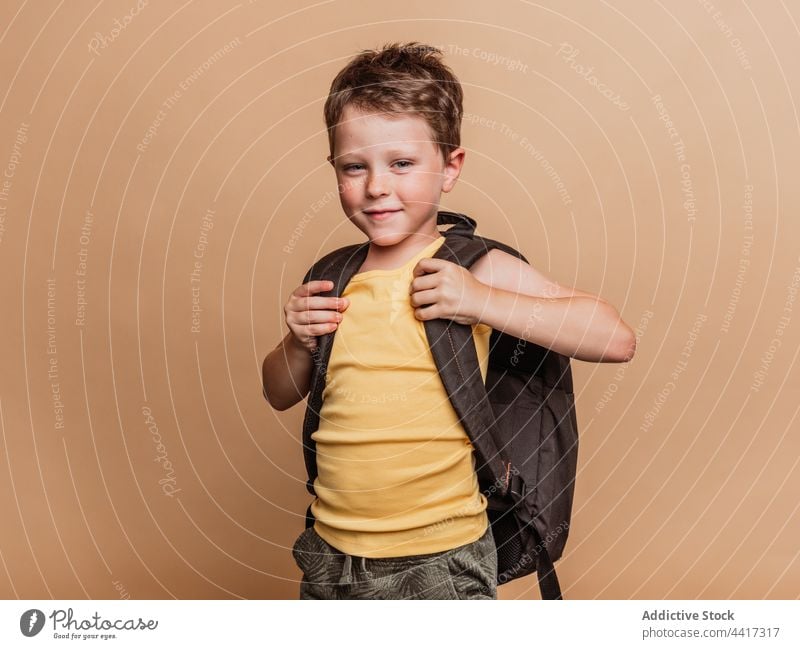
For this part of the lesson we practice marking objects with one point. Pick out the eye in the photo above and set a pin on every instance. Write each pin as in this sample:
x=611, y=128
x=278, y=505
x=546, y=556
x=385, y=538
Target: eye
x=408, y=162
x=350, y=167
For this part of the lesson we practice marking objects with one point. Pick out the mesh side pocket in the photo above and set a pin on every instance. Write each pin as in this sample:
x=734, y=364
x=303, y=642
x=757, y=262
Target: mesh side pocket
x=517, y=551
x=505, y=530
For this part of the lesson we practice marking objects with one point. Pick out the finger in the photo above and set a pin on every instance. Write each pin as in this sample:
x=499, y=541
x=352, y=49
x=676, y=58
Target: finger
x=421, y=298
x=427, y=265
x=314, y=286
x=317, y=317
x=423, y=282
x=426, y=313
x=320, y=329
x=332, y=303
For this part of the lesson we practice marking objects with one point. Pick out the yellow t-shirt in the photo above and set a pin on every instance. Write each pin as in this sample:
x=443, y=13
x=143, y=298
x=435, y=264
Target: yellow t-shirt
x=396, y=470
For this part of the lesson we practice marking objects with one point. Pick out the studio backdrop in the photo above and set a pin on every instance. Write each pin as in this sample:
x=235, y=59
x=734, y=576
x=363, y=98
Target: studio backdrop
x=165, y=187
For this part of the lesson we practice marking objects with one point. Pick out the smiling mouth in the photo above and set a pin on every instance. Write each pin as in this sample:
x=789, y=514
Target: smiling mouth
x=381, y=216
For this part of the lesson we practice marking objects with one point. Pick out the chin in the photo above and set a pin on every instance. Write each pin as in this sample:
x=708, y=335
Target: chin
x=386, y=239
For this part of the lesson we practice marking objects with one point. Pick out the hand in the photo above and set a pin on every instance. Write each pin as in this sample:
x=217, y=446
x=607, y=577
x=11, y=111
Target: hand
x=450, y=291
x=309, y=315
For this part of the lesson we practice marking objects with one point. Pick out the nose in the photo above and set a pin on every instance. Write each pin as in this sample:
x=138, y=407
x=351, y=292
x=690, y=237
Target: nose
x=377, y=185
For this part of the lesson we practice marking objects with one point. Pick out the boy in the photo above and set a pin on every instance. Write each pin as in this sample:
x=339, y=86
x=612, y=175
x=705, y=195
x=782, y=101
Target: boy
x=398, y=512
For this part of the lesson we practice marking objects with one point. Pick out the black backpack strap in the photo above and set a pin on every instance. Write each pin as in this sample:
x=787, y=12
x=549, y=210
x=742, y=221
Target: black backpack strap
x=453, y=349
x=452, y=343
x=338, y=266
x=461, y=223
x=545, y=570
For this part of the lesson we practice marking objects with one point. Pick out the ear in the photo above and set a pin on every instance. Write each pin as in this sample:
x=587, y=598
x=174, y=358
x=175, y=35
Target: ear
x=452, y=168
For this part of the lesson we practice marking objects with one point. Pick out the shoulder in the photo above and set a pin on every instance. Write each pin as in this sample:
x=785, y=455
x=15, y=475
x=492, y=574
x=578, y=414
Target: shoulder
x=498, y=267
x=502, y=270
x=332, y=259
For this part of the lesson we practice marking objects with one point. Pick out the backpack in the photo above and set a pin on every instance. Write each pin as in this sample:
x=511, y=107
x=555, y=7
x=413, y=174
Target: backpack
x=521, y=422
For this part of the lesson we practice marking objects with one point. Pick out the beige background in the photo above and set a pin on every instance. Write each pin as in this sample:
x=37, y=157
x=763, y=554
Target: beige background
x=197, y=129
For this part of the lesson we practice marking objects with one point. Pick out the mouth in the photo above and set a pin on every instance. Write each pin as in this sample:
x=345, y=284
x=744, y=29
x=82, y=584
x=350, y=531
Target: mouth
x=380, y=215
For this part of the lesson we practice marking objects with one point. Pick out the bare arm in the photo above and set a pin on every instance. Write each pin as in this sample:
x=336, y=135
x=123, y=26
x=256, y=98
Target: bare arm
x=508, y=294
x=286, y=371
x=585, y=328
x=538, y=309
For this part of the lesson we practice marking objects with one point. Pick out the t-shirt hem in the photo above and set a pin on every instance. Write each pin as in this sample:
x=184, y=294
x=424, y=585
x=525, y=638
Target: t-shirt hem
x=402, y=549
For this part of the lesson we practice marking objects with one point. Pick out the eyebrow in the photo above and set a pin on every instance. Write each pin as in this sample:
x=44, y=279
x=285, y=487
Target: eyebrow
x=391, y=153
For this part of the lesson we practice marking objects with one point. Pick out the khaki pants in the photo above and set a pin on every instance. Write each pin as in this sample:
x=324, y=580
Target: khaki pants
x=466, y=572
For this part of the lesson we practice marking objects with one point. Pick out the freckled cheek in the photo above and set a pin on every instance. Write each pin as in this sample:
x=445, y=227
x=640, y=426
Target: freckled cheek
x=418, y=184
x=353, y=193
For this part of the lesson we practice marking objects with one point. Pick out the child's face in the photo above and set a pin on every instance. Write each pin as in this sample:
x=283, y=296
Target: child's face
x=391, y=163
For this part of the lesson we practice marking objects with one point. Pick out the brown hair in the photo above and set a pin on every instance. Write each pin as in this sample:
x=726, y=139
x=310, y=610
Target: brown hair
x=405, y=79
